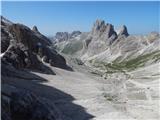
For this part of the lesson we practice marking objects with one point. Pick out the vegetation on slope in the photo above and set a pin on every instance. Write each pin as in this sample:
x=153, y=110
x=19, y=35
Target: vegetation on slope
x=72, y=47
x=128, y=65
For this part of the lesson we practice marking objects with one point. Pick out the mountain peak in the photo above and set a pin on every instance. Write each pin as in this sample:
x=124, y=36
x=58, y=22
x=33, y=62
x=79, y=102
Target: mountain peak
x=35, y=29
x=123, y=31
x=102, y=28
x=98, y=26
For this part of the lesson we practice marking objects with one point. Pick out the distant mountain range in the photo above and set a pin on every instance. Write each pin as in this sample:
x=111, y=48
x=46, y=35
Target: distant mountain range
x=105, y=45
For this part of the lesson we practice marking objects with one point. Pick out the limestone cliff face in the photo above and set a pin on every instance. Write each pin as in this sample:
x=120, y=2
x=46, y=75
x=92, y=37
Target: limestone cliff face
x=65, y=36
x=123, y=31
x=25, y=48
x=102, y=36
x=105, y=44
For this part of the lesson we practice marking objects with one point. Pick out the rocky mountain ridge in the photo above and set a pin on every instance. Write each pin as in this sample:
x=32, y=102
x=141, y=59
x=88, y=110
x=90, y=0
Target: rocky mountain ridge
x=24, y=51
x=64, y=36
x=105, y=44
x=25, y=48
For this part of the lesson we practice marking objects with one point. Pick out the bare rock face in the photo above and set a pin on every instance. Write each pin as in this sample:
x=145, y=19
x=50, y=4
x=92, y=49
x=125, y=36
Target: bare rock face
x=21, y=57
x=5, y=22
x=65, y=36
x=75, y=34
x=103, y=35
x=27, y=37
x=35, y=29
x=5, y=40
x=100, y=28
x=62, y=36
x=24, y=48
x=19, y=104
x=5, y=35
x=23, y=51
x=123, y=31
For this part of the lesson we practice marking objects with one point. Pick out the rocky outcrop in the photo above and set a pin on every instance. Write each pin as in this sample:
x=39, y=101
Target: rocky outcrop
x=20, y=104
x=35, y=29
x=24, y=35
x=65, y=36
x=25, y=48
x=75, y=34
x=5, y=40
x=102, y=36
x=21, y=57
x=61, y=36
x=100, y=28
x=5, y=22
x=123, y=31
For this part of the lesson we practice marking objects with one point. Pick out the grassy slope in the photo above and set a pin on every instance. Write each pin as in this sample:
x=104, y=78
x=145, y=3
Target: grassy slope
x=129, y=65
x=72, y=47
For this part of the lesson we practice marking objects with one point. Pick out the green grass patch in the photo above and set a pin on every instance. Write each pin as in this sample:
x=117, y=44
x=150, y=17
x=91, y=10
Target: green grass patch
x=72, y=47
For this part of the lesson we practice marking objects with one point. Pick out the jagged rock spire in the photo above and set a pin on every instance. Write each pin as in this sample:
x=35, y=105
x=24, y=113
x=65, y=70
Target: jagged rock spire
x=35, y=29
x=123, y=31
x=100, y=28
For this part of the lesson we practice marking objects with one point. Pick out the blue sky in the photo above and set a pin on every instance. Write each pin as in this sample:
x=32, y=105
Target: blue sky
x=51, y=17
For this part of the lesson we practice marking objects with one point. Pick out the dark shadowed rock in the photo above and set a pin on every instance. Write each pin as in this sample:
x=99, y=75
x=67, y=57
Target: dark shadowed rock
x=21, y=57
x=53, y=56
x=87, y=42
x=24, y=48
x=5, y=40
x=27, y=37
x=45, y=59
x=75, y=34
x=109, y=31
x=19, y=104
x=5, y=22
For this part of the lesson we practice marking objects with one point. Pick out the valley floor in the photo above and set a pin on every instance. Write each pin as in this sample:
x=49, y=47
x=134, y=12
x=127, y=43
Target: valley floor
x=90, y=93
x=83, y=96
